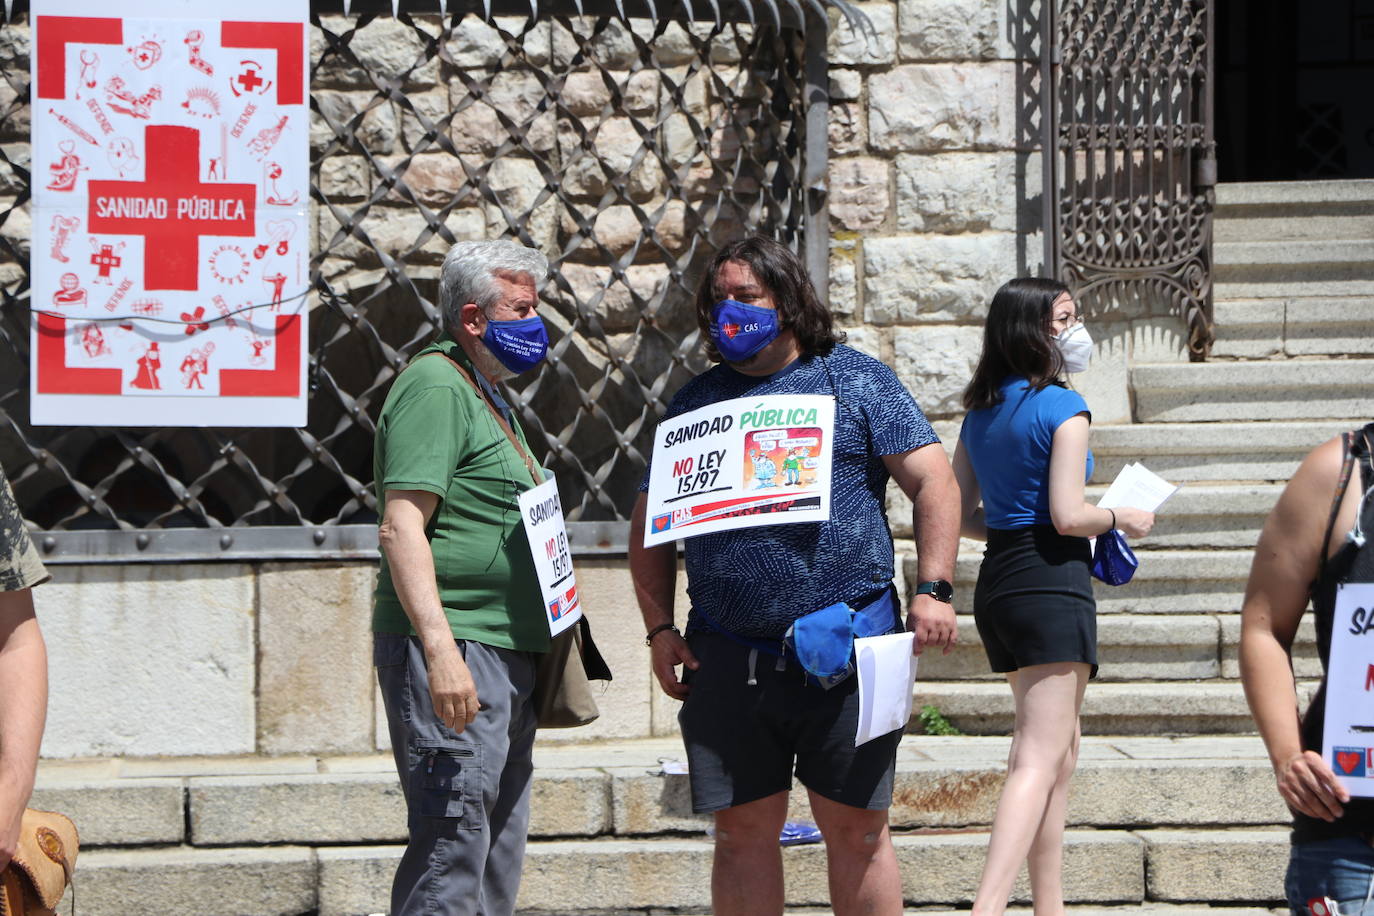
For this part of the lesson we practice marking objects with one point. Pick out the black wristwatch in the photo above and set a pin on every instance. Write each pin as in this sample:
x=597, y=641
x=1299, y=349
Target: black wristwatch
x=939, y=589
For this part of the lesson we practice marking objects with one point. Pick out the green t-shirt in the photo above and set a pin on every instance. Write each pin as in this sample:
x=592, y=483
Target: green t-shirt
x=437, y=434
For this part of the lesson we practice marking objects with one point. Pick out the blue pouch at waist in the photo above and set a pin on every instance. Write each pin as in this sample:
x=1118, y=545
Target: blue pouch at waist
x=823, y=641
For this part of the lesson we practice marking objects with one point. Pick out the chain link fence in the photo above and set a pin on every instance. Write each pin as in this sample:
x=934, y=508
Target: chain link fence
x=628, y=149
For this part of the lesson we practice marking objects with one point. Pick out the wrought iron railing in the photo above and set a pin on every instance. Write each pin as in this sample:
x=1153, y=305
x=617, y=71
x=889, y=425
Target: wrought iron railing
x=629, y=147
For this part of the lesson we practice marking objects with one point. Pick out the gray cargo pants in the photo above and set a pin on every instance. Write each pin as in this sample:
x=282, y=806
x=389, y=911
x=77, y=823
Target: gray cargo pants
x=467, y=795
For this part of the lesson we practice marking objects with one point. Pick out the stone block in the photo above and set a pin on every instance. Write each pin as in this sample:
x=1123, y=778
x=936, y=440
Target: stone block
x=1105, y=384
x=615, y=875
x=375, y=129
x=948, y=29
x=12, y=156
x=1248, y=329
x=155, y=659
x=859, y=194
x=509, y=105
x=1158, y=340
x=334, y=808
x=1306, y=661
x=315, y=658
x=345, y=177
x=935, y=363
x=935, y=277
x=617, y=152
x=391, y=49
x=645, y=802
x=843, y=295
x=356, y=879
x=517, y=184
x=1136, y=793
x=422, y=117
x=1335, y=327
x=117, y=812
x=433, y=179
x=847, y=130
x=209, y=882
x=572, y=802
x=618, y=228
x=477, y=45
x=849, y=46
x=1184, y=865
x=17, y=229
x=618, y=302
x=845, y=85
x=968, y=192
x=933, y=107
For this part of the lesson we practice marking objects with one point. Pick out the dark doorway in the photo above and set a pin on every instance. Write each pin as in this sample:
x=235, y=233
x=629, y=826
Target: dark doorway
x=1294, y=89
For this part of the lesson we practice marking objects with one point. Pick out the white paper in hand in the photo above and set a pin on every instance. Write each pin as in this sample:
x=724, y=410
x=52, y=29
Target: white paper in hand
x=886, y=672
x=1138, y=487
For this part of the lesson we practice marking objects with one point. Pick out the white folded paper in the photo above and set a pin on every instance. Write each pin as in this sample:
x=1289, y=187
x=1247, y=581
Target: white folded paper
x=1138, y=487
x=887, y=672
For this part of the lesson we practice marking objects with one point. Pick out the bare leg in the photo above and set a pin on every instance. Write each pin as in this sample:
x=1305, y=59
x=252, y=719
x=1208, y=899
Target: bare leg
x=746, y=871
x=861, y=861
x=1045, y=861
x=1047, y=700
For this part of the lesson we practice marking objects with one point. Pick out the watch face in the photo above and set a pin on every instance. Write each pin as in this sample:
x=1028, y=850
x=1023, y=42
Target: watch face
x=941, y=590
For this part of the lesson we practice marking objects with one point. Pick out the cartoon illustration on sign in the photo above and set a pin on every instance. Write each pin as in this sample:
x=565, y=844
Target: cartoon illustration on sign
x=249, y=79
x=106, y=258
x=279, y=233
x=69, y=291
x=123, y=155
x=93, y=341
x=277, y=282
x=273, y=173
x=194, y=322
x=90, y=62
x=194, y=41
x=258, y=345
x=62, y=229
x=148, y=364
x=66, y=169
x=196, y=364
x=267, y=138
x=202, y=102
x=123, y=100
x=148, y=308
x=790, y=450
x=74, y=127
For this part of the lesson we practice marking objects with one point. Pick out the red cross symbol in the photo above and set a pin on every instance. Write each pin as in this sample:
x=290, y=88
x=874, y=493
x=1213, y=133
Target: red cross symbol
x=171, y=208
x=106, y=260
x=249, y=79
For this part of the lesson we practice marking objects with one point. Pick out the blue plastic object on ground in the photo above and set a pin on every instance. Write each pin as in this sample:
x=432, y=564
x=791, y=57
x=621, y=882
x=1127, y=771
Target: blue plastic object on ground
x=799, y=833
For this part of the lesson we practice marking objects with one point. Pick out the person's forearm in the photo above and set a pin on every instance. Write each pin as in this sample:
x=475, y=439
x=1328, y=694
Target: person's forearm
x=1270, y=691
x=23, y=697
x=936, y=523
x=1086, y=521
x=654, y=573
x=975, y=525
x=412, y=574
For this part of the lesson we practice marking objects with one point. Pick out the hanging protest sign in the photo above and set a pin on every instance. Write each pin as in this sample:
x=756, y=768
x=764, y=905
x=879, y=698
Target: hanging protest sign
x=170, y=255
x=741, y=463
x=1348, y=730
x=548, y=536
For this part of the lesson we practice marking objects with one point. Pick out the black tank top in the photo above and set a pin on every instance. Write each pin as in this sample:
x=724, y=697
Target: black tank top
x=1350, y=563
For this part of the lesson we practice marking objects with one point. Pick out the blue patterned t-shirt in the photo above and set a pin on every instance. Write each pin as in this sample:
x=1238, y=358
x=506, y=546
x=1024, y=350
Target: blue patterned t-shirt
x=755, y=581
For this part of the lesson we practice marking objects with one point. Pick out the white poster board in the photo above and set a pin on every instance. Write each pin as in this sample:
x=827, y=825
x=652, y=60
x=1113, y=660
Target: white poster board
x=887, y=678
x=543, y=516
x=739, y=464
x=1348, y=732
x=171, y=242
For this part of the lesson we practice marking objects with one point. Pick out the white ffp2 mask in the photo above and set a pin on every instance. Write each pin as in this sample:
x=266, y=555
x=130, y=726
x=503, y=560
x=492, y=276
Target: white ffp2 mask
x=1076, y=346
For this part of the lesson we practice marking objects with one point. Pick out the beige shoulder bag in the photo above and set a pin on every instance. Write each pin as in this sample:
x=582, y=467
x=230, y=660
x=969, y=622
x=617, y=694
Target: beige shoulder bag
x=34, y=881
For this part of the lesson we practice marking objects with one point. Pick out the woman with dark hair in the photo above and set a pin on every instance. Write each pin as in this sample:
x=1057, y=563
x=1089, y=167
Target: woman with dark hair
x=1023, y=451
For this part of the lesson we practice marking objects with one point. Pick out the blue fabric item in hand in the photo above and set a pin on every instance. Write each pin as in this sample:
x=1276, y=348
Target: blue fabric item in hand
x=1113, y=560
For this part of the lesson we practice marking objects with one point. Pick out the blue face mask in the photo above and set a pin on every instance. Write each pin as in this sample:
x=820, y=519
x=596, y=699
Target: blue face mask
x=518, y=345
x=739, y=331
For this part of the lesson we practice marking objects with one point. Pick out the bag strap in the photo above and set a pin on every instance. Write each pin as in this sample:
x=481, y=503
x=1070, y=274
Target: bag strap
x=1347, y=466
x=533, y=468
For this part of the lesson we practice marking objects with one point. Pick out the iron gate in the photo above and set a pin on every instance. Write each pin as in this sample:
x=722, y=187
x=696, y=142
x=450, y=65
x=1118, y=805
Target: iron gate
x=630, y=147
x=1130, y=159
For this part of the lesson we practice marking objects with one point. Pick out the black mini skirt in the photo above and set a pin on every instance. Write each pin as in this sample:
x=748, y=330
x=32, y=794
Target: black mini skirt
x=1034, y=601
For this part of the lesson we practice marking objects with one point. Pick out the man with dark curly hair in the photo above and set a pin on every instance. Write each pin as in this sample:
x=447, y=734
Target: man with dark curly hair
x=750, y=716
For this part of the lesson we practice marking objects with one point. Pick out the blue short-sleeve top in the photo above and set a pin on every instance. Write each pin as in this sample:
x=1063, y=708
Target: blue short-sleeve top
x=1008, y=445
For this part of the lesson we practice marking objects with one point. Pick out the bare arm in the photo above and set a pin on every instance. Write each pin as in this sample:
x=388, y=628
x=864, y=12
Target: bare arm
x=1071, y=514
x=1286, y=561
x=654, y=572
x=925, y=477
x=23, y=709
x=972, y=521
x=402, y=538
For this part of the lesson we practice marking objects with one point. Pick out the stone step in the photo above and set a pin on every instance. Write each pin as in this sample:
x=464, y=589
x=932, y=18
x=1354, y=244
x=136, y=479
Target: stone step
x=1167, y=582
x=1207, y=515
x=1232, y=260
x=1226, y=451
x=1354, y=220
x=1296, y=197
x=1275, y=283
x=1261, y=390
x=1136, y=647
x=1122, y=708
x=1142, y=868
x=1269, y=328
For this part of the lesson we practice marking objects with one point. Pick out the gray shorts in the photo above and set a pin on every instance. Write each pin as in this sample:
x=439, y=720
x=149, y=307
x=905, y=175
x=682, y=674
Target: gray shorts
x=743, y=741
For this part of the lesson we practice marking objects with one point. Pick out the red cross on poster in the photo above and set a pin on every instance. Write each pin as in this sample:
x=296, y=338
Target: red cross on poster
x=170, y=263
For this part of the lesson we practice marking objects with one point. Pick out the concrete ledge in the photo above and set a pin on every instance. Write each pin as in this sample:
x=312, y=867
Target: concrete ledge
x=334, y=808
x=1231, y=256
x=1296, y=194
x=1226, y=451
x=206, y=882
x=1294, y=389
x=119, y=812
x=1216, y=865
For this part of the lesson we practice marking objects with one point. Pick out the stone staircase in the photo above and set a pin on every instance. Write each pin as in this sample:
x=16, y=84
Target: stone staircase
x=1173, y=810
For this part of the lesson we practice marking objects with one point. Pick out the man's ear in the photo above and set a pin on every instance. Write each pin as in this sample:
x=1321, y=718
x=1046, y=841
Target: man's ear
x=469, y=317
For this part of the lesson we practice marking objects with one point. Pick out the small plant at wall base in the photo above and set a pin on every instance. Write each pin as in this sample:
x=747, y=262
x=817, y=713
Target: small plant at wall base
x=933, y=722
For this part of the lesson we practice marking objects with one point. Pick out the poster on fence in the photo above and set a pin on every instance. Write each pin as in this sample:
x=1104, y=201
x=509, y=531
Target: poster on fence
x=170, y=258
x=1348, y=728
x=739, y=464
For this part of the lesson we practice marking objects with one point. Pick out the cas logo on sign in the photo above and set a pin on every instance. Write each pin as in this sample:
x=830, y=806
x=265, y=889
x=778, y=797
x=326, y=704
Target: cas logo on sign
x=682, y=516
x=1350, y=761
x=662, y=522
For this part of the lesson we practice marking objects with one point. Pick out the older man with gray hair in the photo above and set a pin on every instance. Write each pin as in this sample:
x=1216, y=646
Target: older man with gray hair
x=457, y=619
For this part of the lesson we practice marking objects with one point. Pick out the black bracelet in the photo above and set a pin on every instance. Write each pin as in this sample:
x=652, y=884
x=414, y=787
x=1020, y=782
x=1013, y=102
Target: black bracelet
x=649, y=640
x=1113, y=528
